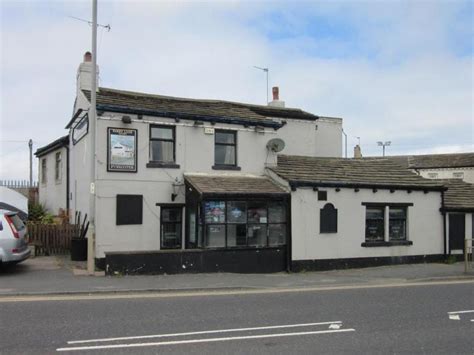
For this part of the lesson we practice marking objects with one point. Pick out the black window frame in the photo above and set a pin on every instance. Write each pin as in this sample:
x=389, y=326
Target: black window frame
x=203, y=224
x=180, y=223
x=160, y=163
x=57, y=166
x=224, y=166
x=375, y=240
x=44, y=170
x=390, y=219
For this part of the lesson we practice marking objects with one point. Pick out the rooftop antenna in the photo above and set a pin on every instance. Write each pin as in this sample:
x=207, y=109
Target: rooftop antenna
x=107, y=27
x=383, y=145
x=358, y=141
x=266, y=71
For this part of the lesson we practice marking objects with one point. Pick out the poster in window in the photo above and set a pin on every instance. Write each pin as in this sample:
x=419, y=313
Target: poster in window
x=214, y=211
x=122, y=149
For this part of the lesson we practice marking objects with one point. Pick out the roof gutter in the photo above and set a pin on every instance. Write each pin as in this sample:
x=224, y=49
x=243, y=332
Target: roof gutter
x=187, y=116
x=294, y=184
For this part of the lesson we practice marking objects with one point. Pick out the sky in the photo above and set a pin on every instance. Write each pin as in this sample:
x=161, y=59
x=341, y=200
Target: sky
x=399, y=71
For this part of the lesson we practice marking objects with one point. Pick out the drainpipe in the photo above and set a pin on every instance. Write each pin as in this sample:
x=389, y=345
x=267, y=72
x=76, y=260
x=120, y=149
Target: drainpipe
x=443, y=212
x=67, y=180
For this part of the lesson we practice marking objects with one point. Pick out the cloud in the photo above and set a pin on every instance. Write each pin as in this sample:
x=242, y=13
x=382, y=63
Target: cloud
x=400, y=72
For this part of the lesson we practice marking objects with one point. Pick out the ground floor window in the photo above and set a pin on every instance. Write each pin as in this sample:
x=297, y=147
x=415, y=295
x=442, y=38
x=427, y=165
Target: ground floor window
x=171, y=227
x=378, y=218
x=239, y=223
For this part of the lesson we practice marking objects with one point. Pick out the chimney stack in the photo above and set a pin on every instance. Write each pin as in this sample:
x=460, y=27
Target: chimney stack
x=357, y=152
x=84, y=73
x=276, y=98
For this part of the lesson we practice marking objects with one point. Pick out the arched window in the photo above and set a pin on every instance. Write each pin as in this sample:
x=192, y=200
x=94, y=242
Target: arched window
x=328, y=219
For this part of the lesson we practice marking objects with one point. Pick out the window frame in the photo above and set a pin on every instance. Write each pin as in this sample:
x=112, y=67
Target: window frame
x=327, y=227
x=234, y=133
x=202, y=222
x=44, y=170
x=405, y=219
x=180, y=223
x=158, y=163
x=58, y=167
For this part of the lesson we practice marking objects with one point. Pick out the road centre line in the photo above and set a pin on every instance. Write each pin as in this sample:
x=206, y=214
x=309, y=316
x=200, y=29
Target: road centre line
x=461, y=312
x=174, y=294
x=202, y=332
x=194, y=341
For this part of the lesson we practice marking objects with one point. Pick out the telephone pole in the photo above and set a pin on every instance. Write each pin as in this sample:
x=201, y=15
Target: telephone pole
x=30, y=145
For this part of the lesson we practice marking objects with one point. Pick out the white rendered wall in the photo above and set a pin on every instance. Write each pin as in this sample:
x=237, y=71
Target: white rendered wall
x=468, y=173
x=425, y=224
x=52, y=193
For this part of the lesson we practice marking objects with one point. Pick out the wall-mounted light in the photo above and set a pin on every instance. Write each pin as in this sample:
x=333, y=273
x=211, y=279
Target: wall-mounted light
x=176, y=185
x=126, y=119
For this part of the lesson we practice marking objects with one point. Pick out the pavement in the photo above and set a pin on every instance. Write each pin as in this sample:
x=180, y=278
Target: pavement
x=58, y=275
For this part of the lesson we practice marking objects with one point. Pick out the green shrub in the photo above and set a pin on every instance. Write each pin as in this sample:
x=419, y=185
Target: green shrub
x=37, y=213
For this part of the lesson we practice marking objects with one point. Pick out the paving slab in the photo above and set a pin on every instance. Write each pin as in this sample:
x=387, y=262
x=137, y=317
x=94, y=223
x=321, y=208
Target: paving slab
x=59, y=275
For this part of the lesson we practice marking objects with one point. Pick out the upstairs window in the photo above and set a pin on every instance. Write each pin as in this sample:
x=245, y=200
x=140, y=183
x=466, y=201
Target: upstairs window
x=328, y=219
x=57, y=167
x=43, y=171
x=225, y=148
x=162, y=144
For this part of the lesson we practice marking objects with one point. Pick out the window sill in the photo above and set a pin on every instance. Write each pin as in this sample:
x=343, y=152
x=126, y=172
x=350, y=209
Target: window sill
x=226, y=167
x=387, y=244
x=162, y=165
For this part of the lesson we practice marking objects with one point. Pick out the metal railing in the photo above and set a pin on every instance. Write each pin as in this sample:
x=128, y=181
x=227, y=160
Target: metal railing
x=468, y=265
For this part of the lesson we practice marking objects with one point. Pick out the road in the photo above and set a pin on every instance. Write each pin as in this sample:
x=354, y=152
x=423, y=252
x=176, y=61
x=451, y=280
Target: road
x=424, y=319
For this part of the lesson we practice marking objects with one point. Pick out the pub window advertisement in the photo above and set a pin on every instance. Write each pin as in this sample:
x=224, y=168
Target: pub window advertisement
x=122, y=150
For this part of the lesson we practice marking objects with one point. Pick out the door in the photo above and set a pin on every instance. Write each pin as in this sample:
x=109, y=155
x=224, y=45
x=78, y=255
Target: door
x=457, y=231
x=171, y=227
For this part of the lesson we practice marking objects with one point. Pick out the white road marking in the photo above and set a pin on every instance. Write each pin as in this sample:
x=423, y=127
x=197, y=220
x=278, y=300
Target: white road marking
x=454, y=317
x=193, y=341
x=178, y=293
x=460, y=312
x=338, y=323
x=335, y=326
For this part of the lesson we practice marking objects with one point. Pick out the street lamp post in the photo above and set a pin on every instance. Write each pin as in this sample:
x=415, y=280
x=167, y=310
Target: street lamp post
x=383, y=145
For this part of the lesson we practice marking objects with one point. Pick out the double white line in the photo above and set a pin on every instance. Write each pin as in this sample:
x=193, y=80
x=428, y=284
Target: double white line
x=334, y=328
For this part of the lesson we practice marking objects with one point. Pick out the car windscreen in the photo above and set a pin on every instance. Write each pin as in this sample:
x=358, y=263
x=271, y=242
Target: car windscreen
x=17, y=222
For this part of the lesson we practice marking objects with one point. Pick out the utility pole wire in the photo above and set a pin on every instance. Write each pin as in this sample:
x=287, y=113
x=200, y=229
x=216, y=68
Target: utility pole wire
x=107, y=27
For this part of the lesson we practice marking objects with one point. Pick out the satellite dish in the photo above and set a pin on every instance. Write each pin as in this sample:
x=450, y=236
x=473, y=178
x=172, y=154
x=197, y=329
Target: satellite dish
x=276, y=145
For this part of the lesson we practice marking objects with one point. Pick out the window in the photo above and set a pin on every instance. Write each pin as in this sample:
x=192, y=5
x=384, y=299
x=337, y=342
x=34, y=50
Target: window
x=129, y=209
x=458, y=175
x=43, y=171
x=171, y=227
x=328, y=219
x=397, y=225
x=57, y=167
x=386, y=224
x=162, y=144
x=374, y=224
x=229, y=224
x=322, y=195
x=225, y=148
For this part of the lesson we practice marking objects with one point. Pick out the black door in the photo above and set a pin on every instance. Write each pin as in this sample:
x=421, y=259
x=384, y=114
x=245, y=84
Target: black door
x=171, y=219
x=457, y=231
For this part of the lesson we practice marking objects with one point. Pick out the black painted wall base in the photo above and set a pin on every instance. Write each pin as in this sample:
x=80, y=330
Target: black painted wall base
x=250, y=261
x=332, y=264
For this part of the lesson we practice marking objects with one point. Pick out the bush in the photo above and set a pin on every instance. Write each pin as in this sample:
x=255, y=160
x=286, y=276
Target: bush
x=38, y=214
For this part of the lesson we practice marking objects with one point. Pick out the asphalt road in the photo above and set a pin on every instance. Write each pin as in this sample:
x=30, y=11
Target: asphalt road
x=389, y=320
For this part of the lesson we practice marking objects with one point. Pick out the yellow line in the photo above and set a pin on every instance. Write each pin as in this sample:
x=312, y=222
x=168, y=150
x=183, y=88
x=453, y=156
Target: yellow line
x=157, y=294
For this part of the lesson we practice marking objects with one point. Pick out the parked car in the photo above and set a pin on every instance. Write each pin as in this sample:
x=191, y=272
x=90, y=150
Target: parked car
x=13, y=238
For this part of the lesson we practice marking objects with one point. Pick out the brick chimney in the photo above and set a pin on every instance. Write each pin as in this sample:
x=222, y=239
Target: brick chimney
x=276, y=98
x=357, y=152
x=84, y=73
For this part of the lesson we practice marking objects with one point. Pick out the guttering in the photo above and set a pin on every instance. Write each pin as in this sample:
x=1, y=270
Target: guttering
x=457, y=209
x=187, y=116
x=294, y=184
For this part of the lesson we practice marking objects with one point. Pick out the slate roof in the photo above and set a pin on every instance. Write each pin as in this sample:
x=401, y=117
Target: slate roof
x=364, y=173
x=227, y=184
x=185, y=108
x=58, y=143
x=460, y=195
x=433, y=161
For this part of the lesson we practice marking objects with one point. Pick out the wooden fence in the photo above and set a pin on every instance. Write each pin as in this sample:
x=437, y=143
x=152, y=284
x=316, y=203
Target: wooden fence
x=52, y=239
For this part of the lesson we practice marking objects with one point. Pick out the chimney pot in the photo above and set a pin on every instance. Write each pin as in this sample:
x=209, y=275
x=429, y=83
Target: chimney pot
x=276, y=93
x=88, y=57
